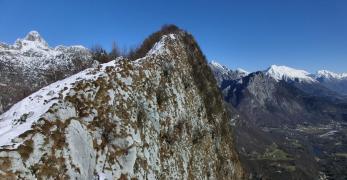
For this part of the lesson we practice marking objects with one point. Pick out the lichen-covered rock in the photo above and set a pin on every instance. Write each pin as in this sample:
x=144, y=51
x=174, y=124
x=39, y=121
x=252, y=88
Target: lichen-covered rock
x=158, y=117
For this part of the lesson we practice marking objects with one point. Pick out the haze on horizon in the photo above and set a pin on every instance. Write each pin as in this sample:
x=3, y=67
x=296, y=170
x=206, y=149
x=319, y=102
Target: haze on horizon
x=252, y=35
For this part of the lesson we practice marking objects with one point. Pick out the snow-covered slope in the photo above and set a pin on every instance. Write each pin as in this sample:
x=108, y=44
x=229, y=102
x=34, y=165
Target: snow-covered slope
x=289, y=74
x=158, y=117
x=30, y=64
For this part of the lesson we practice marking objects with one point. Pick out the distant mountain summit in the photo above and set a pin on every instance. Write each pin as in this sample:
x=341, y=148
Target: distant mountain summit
x=289, y=74
x=34, y=36
x=30, y=63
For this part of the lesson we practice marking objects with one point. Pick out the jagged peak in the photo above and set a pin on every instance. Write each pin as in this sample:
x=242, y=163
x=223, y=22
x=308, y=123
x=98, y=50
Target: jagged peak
x=287, y=73
x=32, y=40
x=330, y=75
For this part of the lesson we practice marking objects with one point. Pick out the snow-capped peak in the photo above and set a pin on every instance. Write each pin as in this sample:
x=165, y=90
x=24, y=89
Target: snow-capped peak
x=33, y=36
x=287, y=73
x=32, y=41
x=330, y=75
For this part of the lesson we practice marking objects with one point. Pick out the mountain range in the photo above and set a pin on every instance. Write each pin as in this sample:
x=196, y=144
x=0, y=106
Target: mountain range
x=295, y=122
x=164, y=112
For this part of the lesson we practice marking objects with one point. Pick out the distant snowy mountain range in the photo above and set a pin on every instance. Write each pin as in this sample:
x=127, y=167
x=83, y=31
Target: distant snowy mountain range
x=334, y=81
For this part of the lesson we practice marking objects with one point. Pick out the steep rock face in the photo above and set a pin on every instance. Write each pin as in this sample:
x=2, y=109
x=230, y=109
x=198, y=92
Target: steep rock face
x=31, y=64
x=159, y=117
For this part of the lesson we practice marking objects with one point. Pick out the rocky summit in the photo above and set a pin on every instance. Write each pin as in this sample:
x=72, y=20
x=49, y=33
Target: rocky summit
x=160, y=116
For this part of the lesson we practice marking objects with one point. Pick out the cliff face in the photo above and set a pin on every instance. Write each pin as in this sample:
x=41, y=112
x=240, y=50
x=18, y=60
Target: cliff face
x=158, y=117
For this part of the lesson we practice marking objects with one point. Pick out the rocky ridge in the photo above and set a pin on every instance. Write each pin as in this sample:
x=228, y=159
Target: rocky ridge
x=158, y=117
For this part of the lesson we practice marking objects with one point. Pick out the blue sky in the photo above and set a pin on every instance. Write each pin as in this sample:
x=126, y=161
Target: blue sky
x=251, y=34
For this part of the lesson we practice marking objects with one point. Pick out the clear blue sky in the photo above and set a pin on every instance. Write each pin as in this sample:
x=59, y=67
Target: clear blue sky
x=251, y=34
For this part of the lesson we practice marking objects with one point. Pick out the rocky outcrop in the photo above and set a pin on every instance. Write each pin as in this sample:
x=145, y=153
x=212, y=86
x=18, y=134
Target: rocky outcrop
x=31, y=64
x=158, y=117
